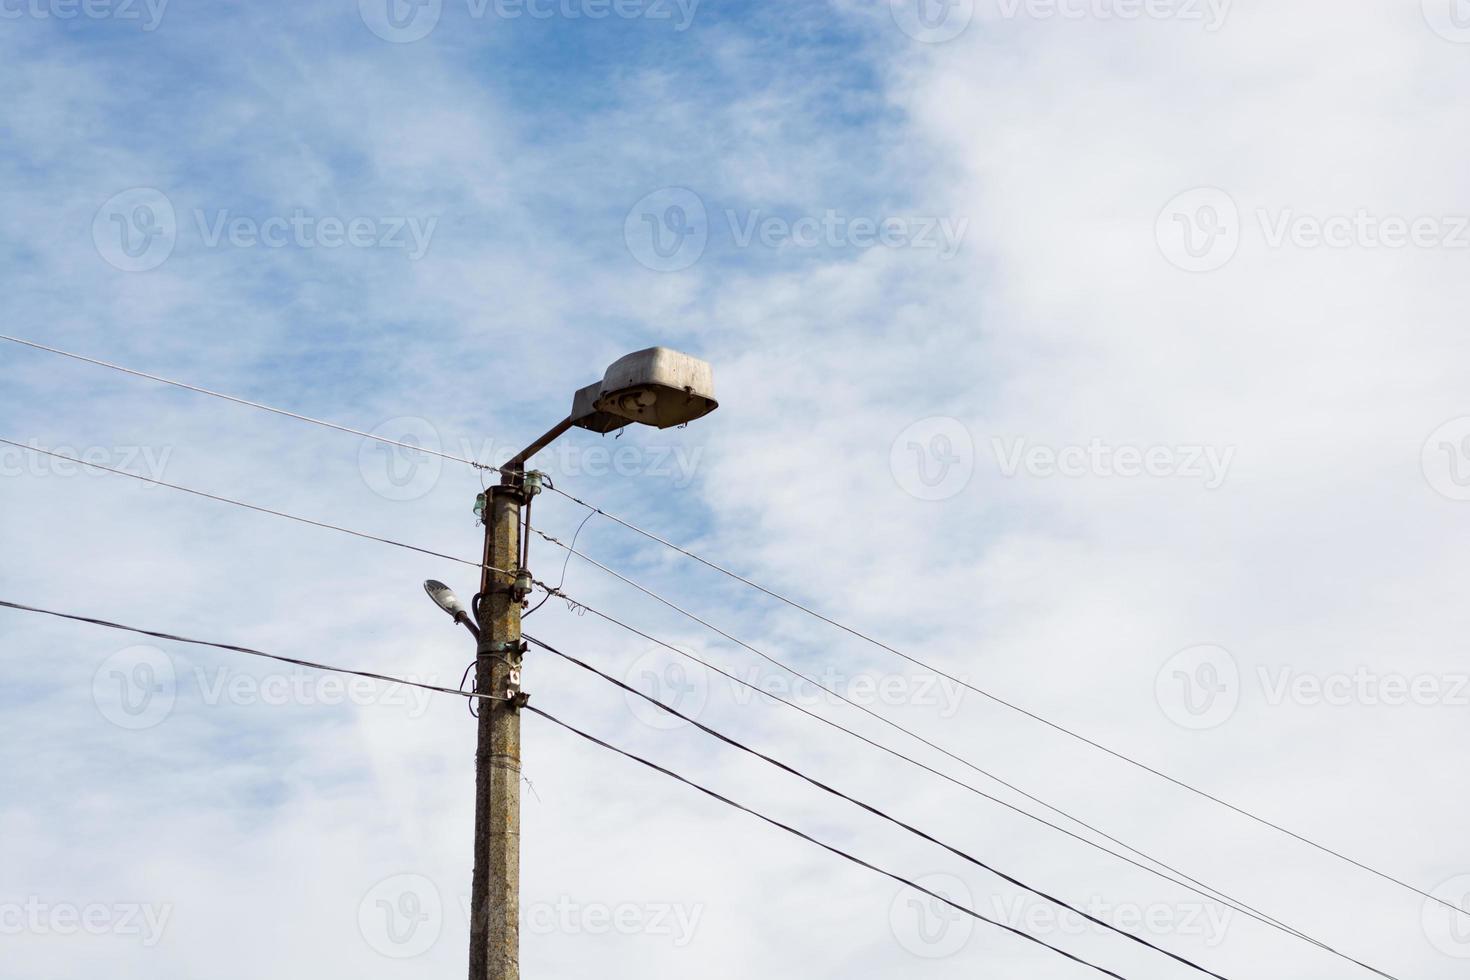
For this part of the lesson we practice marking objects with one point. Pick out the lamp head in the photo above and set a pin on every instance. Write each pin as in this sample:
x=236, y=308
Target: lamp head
x=446, y=600
x=658, y=387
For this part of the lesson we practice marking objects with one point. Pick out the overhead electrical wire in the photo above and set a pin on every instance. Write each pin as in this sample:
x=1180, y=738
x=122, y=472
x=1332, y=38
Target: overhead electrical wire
x=1198, y=888
x=782, y=598
x=734, y=743
x=869, y=711
x=247, y=403
x=1215, y=894
x=246, y=650
x=259, y=510
x=556, y=721
x=1015, y=707
x=966, y=910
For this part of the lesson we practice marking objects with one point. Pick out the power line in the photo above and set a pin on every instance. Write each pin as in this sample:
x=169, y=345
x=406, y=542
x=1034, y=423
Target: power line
x=474, y=696
x=824, y=846
x=469, y=695
x=1203, y=891
x=1014, y=707
x=882, y=718
x=259, y=510
x=775, y=595
x=246, y=650
x=1217, y=895
x=859, y=803
x=247, y=402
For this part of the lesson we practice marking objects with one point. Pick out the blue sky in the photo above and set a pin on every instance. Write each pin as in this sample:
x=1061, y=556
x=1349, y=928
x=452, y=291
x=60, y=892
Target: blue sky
x=950, y=278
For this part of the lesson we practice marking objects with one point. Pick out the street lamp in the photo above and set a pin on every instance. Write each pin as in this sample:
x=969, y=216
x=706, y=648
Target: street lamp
x=446, y=600
x=658, y=387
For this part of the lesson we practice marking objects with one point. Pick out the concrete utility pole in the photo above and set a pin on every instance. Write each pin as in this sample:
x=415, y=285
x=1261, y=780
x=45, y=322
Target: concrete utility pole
x=495, y=908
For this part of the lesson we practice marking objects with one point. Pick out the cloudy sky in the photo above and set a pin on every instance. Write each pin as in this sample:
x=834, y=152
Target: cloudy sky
x=1106, y=354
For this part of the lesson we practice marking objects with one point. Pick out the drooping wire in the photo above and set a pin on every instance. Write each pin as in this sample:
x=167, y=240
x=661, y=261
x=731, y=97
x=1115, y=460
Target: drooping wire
x=1198, y=888
x=880, y=717
x=246, y=650
x=734, y=743
x=1205, y=794
x=782, y=598
x=562, y=580
x=248, y=404
x=240, y=503
x=964, y=909
x=1245, y=909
